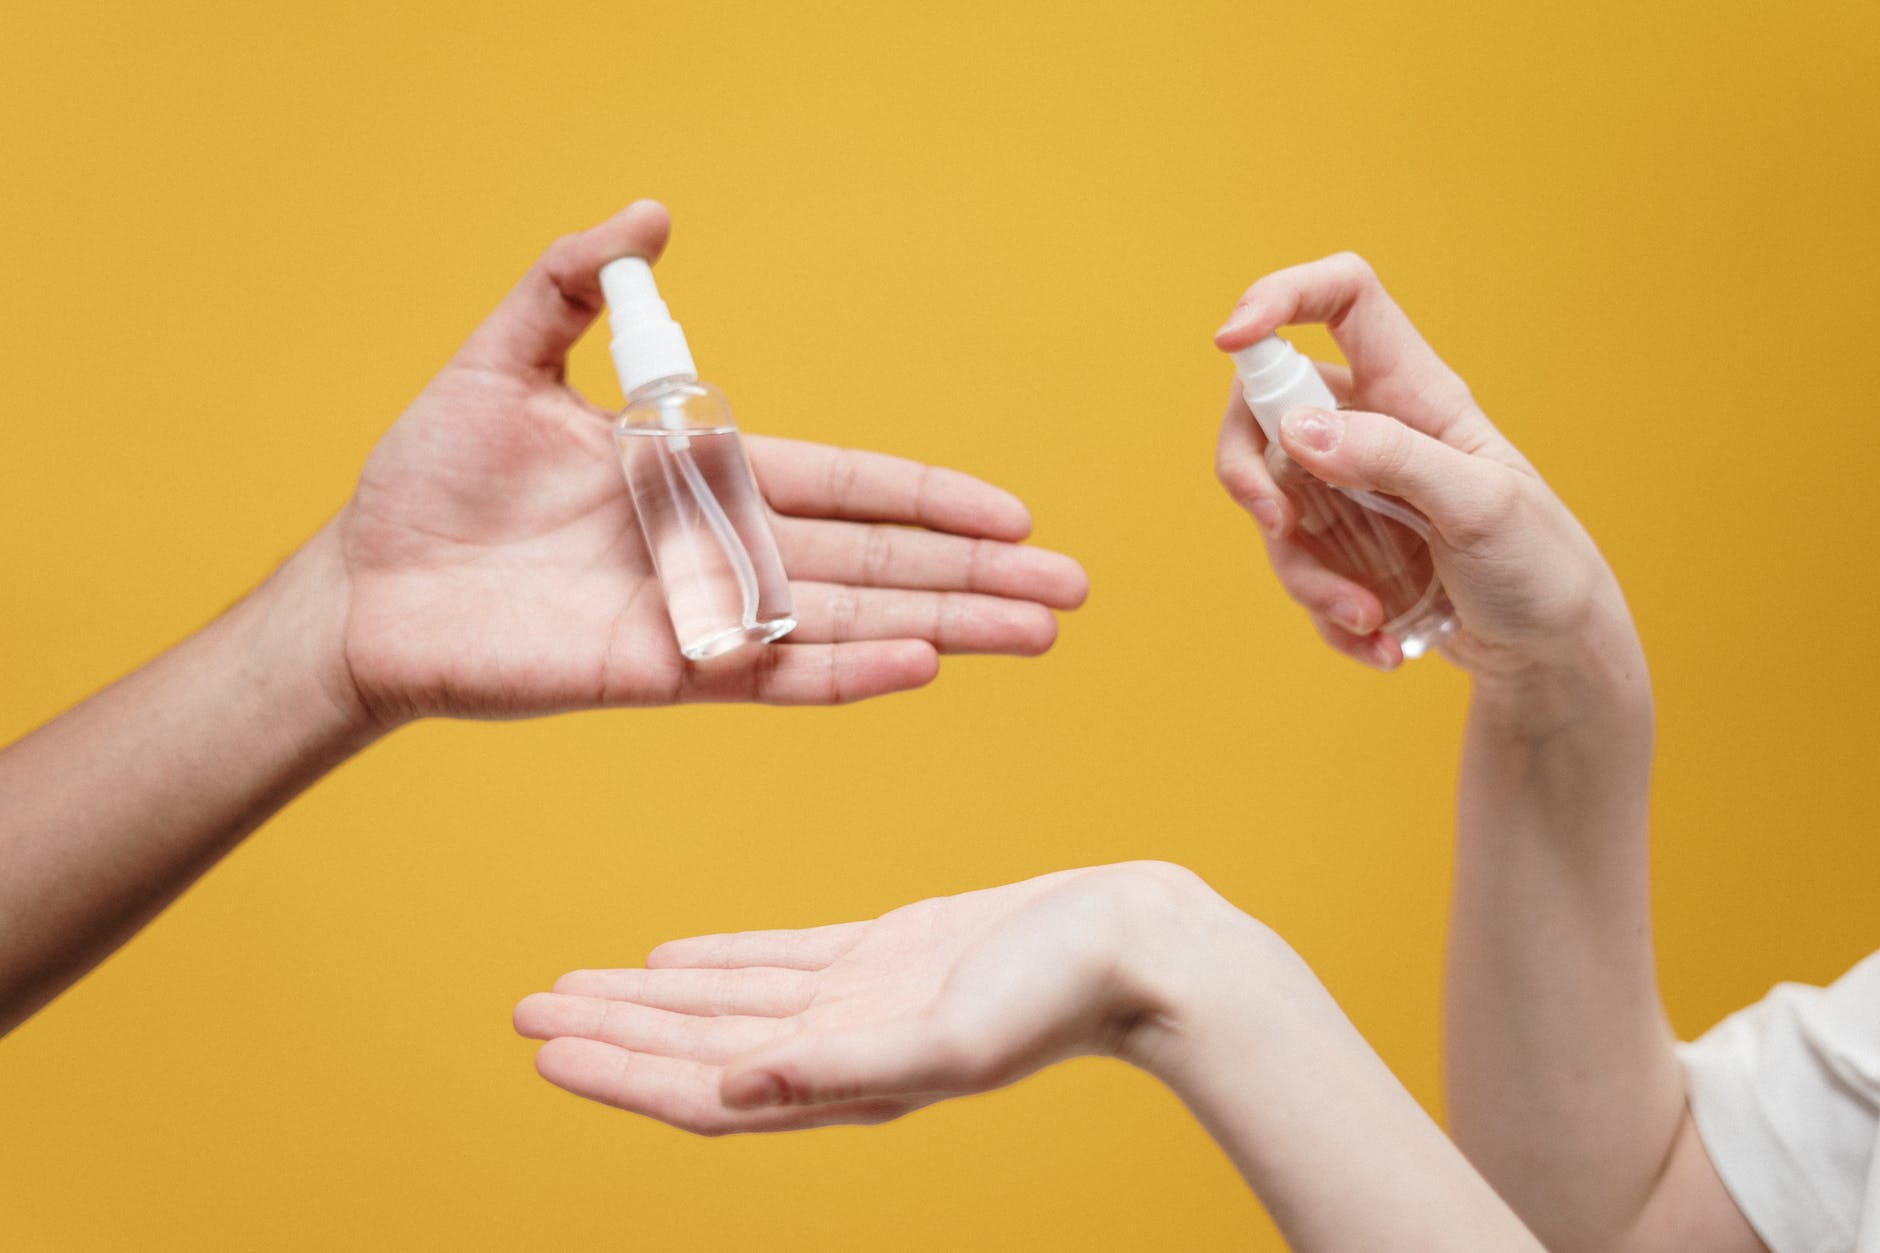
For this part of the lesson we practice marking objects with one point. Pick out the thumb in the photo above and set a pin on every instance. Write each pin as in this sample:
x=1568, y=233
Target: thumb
x=543, y=314
x=1457, y=492
x=902, y=1059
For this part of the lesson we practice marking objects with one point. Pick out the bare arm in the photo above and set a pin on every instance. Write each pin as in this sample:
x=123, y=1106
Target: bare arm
x=1562, y=1083
x=1340, y=1153
x=487, y=565
x=108, y=812
x=863, y=1022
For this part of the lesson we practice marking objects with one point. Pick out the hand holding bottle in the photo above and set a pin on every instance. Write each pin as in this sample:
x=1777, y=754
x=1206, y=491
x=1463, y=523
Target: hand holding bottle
x=489, y=564
x=494, y=567
x=1529, y=587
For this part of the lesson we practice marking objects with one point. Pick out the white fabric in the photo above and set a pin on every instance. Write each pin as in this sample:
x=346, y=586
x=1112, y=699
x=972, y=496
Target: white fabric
x=1786, y=1096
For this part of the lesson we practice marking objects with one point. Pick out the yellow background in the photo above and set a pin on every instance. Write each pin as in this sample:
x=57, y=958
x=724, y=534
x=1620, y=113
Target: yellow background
x=236, y=238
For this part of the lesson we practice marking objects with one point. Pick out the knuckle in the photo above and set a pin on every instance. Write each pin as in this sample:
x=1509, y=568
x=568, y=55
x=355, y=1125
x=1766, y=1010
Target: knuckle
x=560, y=252
x=877, y=555
x=944, y=618
x=1353, y=267
x=1241, y=477
x=1160, y=871
x=1161, y=883
x=720, y=991
x=845, y=611
x=981, y=563
x=1445, y=393
x=833, y=691
x=1388, y=450
x=843, y=470
x=924, y=495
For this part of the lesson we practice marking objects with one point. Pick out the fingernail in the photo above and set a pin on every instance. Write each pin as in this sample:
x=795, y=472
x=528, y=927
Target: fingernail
x=754, y=1091
x=1266, y=513
x=1242, y=316
x=1317, y=429
x=1347, y=614
x=1382, y=656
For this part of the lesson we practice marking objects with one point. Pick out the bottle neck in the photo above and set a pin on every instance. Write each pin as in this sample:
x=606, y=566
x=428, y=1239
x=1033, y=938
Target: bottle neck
x=651, y=387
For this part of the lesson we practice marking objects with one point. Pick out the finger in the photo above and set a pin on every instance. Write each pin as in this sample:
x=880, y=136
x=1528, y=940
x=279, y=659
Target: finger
x=819, y=481
x=888, y=556
x=755, y=991
x=1351, y=607
x=1377, y=337
x=810, y=948
x=908, y=1059
x=953, y=622
x=643, y=1029
x=812, y=674
x=1240, y=466
x=1465, y=497
x=531, y=331
x=1376, y=650
x=681, y=1093
x=1337, y=381
x=1240, y=457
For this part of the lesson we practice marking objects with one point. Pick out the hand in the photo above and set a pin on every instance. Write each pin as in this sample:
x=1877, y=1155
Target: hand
x=1526, y=580
x=865, y=1021
x=494, y=567
x=862, y=1022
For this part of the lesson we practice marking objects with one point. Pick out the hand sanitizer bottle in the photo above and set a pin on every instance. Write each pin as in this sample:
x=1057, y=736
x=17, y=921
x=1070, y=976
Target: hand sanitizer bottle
x=706, y=525
x=1377, y=541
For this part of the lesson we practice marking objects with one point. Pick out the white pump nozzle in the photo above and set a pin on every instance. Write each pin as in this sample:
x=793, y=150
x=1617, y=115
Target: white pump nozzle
x=647, y=343
x=1275, y=378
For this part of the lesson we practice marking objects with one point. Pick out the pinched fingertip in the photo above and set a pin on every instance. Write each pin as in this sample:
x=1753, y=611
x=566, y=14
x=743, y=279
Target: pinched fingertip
x=1248, y=321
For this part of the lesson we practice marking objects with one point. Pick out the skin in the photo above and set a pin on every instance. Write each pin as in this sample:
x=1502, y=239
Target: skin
x=487, y=565
x=863, y=1022
x=1563, y=1085
x=1561, y=1080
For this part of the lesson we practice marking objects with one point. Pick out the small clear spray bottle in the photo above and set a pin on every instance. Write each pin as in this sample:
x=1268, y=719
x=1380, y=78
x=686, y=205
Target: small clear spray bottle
x=1377, y=541
x=704, y=519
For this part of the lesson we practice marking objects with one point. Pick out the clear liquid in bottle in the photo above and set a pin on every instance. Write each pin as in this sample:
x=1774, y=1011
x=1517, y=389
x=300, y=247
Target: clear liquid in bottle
x=708, y=531
x=1388, y=556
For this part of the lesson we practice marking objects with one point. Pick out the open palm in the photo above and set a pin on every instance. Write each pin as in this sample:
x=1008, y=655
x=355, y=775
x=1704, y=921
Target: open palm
x=859, y=1022
x=496, y=569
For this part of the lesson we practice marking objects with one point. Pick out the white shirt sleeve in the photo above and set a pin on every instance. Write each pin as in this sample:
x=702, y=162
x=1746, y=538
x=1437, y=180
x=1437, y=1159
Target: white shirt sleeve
x=1786, y=1097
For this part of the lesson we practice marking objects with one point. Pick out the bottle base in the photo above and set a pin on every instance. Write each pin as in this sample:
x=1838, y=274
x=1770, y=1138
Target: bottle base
x=1419, y=632
x=718, y=643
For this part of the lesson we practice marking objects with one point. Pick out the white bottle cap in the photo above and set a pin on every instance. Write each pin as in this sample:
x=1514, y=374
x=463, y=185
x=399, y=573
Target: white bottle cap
x=647, y=343
x=1277, y=378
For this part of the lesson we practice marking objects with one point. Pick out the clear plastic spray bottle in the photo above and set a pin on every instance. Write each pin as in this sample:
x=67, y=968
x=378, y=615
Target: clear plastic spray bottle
x=705, y=521
x=1377, y=541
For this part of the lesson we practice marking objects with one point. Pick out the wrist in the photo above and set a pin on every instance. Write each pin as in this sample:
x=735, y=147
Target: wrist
x=288, y=638
x=1595, y=679
x=1192, y=968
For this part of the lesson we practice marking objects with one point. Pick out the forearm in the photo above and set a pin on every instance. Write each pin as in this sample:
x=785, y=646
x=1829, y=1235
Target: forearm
x=111, y=810
x=1339, y=1152
x=1562, y=1084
